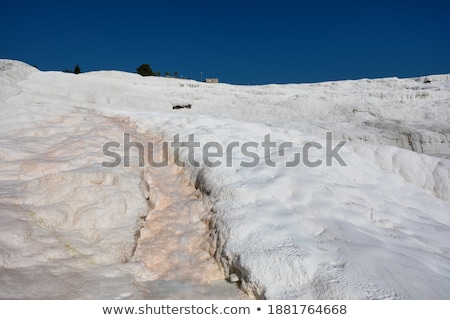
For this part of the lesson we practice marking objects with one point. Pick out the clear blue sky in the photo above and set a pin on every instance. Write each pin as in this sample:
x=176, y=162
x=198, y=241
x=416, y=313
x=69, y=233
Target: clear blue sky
x=239, y=41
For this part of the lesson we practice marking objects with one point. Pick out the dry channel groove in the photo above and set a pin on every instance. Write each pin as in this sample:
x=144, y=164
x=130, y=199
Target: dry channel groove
x=173, y=241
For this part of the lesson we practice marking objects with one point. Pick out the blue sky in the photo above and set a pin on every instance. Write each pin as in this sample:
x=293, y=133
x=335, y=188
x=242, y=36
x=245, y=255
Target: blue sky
x=241, y=42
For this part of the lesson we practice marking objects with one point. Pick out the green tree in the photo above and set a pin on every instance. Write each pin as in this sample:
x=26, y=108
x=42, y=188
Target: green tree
x=77, y=69
x=145, y=70
x=167, y=73
x=175, y=73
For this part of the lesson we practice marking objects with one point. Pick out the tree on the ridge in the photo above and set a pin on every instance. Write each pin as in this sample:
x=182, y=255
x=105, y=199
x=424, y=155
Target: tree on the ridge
x=145, y=70
x=77, y=69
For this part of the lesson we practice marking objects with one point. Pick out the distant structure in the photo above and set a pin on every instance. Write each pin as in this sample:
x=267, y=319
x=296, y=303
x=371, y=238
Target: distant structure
x=212, y=80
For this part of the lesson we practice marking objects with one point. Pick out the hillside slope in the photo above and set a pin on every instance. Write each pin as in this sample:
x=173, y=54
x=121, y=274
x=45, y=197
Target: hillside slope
x=375, y=225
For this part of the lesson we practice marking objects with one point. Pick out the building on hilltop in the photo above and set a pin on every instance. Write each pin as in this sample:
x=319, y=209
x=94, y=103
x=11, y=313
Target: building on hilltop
x=212, y=80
